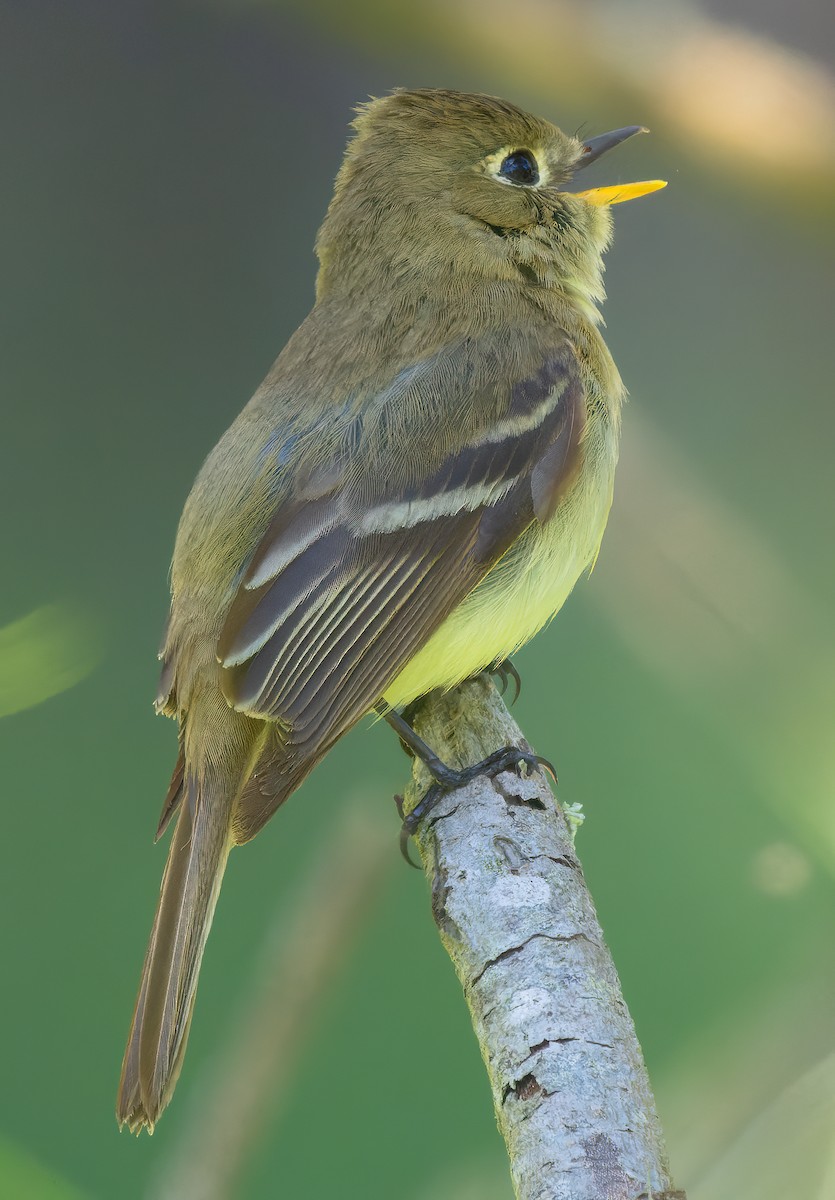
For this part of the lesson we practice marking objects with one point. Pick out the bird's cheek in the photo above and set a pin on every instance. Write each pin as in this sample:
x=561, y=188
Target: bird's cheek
x=499, y=205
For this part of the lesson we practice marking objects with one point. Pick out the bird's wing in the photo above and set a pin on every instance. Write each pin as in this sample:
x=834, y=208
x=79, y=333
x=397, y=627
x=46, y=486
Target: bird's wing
x=358, y=570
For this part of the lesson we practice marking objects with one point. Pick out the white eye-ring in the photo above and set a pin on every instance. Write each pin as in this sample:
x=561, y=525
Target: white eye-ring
x=517, y=166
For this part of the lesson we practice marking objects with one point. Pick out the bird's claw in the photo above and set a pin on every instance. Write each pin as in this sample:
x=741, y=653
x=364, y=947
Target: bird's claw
x=505, y=670
x=447, y=779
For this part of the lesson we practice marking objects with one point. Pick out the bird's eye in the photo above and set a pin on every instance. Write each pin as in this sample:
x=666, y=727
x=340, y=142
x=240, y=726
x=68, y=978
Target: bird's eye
x=520, y=167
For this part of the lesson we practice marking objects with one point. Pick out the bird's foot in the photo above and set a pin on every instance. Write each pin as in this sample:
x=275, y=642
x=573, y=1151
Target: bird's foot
x=447, y=779
x=504, y=670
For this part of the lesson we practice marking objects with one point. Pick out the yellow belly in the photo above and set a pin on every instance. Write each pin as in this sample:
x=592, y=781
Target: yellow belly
x=522, y=592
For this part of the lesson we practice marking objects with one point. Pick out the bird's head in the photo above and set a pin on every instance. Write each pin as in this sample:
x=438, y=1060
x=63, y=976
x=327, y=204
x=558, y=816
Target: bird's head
x=441, y=185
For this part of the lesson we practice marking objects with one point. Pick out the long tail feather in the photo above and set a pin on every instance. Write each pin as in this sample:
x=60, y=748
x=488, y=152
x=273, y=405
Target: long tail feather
x=161, y=1019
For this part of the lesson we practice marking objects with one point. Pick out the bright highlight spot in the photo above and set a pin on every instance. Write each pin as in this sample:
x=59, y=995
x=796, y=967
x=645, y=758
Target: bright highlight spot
x=43, y=654
x=781, y=869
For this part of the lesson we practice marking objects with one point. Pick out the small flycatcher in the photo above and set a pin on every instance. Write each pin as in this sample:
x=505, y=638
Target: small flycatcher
x=409, y=496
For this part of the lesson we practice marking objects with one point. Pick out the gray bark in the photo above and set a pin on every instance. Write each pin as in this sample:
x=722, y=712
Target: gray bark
x=570, y=1089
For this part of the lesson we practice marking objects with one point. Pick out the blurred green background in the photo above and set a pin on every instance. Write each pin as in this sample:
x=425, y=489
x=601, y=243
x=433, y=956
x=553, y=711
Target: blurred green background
x=166, y=166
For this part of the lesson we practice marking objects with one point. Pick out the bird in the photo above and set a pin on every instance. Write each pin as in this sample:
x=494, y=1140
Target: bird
x=409, y=496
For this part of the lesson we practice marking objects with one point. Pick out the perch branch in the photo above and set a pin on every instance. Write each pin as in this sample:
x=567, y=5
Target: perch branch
x=570, y=1089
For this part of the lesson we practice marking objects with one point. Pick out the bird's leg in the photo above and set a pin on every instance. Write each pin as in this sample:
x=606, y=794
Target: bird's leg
x=447, y=778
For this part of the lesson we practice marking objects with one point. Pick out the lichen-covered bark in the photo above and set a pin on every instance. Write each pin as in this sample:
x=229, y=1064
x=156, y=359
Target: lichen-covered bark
x=570, y=1088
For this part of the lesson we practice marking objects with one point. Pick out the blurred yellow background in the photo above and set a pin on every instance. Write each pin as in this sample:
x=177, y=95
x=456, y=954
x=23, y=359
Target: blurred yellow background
x=166, y=166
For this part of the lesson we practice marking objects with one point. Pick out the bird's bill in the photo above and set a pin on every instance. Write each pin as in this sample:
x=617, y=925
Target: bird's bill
x=618, y=192
x=604, y=142
x=593, y=148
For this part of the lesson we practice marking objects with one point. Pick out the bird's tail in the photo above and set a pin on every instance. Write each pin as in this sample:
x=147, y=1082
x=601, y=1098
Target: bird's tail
x=190, y=886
